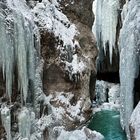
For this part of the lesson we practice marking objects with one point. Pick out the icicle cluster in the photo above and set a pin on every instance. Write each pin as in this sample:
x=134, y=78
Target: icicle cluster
x=129, y=60
x=17, y=59
x=16, y=49
x=106, y=20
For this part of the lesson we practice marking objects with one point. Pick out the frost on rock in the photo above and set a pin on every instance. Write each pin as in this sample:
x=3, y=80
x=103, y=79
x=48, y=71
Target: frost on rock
x=6, y=120
x=129, y=60
x=104, y=28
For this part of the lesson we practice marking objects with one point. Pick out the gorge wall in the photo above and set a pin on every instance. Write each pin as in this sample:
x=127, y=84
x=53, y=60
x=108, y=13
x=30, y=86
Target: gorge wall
x=116, y=28
x=48, y=68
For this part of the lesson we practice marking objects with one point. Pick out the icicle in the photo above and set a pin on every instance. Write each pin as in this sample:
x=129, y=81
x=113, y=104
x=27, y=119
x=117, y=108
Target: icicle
x=6, y=120
x=21, y=54
x=18, y=50
x=24, y=123
x=6, y=53
x=106, y=20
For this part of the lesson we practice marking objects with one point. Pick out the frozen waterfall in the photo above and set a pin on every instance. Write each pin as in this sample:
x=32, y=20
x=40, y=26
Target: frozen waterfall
x=104, y=28
x=16, y=49
x=17, y=60
x=129, y=60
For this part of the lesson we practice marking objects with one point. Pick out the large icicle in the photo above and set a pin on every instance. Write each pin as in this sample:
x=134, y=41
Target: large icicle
x=106, y=20
x=6, y=120
x=24, y=123
x=6, y=50
x=129, y=60
x=16, y=46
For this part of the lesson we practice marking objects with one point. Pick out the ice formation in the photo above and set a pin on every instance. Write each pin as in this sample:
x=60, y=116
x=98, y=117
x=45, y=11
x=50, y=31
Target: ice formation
x=24, y=123
x=18, y=51
x=107, y=96
x=18, y=55
x=17, y=59
x=129, y=60
x=104, y=28
x=6, y=120
x=135, y=122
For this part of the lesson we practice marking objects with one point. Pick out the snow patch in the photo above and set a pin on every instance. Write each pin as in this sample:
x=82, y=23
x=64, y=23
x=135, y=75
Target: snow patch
x=83, y=134
x=49, y=16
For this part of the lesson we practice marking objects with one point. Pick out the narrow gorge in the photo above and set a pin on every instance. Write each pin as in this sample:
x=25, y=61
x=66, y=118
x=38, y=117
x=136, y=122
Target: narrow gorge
x=68, y=68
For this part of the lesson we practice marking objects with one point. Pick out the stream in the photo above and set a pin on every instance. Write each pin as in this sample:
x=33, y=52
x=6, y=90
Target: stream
x=107, y=122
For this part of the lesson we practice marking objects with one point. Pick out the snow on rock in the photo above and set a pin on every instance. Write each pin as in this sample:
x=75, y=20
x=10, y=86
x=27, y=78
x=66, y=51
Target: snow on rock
x=135, y=123
x=114, y=94
x=64, y=107
x=83, y=134
x=101, y=91
x=107, y=92
x=48, y=15
x=76, y=67
x=129, y=60
x=20, y=7
x=107, y=96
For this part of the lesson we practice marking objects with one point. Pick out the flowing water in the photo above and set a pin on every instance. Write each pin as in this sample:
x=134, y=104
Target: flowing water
x=107, y=122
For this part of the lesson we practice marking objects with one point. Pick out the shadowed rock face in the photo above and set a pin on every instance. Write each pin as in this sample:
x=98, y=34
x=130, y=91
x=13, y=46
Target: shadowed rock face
x=79, y=10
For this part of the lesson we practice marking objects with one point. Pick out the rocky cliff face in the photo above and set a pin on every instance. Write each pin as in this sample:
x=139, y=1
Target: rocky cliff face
x=64, y=69
x=69, y=68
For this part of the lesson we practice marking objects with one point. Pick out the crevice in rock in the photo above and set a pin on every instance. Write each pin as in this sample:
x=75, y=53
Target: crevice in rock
x=112, y=77
x=92, y=85
x=137, y=90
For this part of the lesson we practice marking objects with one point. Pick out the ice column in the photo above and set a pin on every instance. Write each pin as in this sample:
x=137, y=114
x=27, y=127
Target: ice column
x=129, y=60
x=24, y=123
x=6, y=121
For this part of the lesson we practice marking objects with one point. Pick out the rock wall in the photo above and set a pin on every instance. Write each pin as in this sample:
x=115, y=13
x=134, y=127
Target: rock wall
x=129, y=61
x=65, y=71
x=69, y=69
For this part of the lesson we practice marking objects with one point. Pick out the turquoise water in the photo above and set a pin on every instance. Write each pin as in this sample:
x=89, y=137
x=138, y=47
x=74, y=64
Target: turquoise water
x=108, y=124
